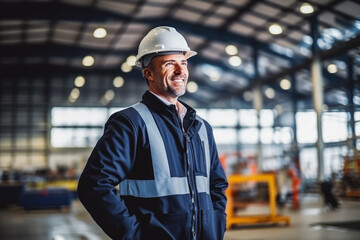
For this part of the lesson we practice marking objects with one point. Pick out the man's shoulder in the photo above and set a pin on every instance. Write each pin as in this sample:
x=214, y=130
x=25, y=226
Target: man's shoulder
x=202, y=120
x=127, y=113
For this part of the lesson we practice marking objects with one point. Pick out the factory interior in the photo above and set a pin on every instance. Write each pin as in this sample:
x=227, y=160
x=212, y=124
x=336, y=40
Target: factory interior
x=278, y=81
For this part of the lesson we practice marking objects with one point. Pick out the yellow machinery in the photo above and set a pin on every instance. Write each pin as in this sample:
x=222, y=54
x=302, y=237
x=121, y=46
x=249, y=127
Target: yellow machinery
x=272, y=217
x=69, y=184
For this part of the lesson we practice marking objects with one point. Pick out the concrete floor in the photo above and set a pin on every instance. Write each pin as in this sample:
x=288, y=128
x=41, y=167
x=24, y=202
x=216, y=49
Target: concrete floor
x=304, y=223
x=76, y=224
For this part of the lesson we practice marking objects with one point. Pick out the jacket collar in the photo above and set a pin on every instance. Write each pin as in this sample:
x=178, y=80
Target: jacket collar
x=156, y=105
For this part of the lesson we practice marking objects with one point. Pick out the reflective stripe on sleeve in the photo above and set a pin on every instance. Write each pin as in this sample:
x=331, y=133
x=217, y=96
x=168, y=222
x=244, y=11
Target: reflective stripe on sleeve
x=154, y=188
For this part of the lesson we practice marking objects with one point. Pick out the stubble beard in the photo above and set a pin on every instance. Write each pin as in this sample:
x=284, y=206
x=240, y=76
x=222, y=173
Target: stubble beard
x=176, y=92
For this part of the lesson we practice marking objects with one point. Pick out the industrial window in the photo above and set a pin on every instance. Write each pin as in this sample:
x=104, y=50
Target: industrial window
x=357, y=123
x=249, y=135
x=78, y=116
x=283, y=135
x=266, y=135
x=308, y=163
x=82, y=127
x=267, y=118
x=74, y=137
x=306, y=127
x=225, y=135
x=335, y=126
x=248, y=118
x=223, y=117
x=77, y=127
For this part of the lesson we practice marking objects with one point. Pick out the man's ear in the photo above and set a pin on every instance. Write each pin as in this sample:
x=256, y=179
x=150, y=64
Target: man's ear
x=148, y=74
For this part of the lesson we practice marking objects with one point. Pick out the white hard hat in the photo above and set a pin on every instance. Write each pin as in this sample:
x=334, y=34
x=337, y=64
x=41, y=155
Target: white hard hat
x=160, y=40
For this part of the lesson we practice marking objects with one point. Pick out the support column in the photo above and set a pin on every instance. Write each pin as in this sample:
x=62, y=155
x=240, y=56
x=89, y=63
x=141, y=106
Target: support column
x=316, y=78
x=294, y=98
x=257, y=103
x=350, y=94
x=294, y=144
x=317, y=81
x=258, y=106
x=47, y=117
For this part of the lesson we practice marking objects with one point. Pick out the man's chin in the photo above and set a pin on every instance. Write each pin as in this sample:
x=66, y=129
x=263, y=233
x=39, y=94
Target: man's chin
x=177, y=92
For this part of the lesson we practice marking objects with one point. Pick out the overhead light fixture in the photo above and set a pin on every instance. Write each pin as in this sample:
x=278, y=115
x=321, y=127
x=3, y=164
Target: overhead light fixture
x=72, y=100
x=332, y=68
x=275, y=29
x=235, y=61
x=88, y=61
x=118, y=81
x=248, y=96
x=79, y=81
x=125, y=67
x=99, y=33
x=231, y=50
x=306, y=8
x=74, y=95
x=131, y=60
x=109, y=94
x=270, y=93
x=285, y=84
x=108, y=97
x=192, y=87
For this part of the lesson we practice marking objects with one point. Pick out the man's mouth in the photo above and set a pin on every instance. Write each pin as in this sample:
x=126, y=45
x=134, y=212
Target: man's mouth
x=178, y=80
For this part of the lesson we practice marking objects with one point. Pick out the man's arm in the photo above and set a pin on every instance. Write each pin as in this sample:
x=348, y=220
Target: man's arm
x=218, y=183
x=108, y=164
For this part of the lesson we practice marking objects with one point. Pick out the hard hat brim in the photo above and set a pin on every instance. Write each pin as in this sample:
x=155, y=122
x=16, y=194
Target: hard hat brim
x=188, y=54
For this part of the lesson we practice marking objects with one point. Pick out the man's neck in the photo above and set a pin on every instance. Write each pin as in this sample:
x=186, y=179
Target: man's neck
x=164, y=100
x=179, y=107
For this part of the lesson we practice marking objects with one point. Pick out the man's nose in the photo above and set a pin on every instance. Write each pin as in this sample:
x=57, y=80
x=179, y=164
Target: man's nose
x=179, y=68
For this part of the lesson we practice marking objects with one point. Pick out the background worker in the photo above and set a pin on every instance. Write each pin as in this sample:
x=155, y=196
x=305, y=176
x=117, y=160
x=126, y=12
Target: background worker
x=161, y=154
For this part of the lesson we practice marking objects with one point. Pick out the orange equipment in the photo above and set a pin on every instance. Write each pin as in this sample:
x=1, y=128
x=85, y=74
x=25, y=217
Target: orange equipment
x=296, y=181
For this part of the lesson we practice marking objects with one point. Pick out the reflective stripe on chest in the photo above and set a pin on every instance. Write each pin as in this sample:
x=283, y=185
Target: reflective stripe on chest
x=163, y=184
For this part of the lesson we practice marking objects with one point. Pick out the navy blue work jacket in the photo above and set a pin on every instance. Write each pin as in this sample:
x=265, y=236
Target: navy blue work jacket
x=123, y=153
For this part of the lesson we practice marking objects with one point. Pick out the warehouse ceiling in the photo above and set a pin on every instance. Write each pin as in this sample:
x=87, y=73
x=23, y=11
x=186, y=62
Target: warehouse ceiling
x=49, y=39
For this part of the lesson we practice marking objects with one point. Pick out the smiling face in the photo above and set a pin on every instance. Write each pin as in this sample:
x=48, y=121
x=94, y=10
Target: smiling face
x=167, y=76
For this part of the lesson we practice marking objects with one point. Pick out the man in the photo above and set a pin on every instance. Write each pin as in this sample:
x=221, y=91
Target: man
x=161, y=154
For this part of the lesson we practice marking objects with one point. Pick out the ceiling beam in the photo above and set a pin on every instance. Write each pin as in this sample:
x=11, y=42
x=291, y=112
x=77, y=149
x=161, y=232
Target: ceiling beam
x=48, y=50
x=55, y=11
x=337, y=50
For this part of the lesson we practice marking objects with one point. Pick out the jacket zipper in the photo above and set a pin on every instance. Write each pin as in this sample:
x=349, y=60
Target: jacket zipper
x=191, y=180
x=191, y=187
